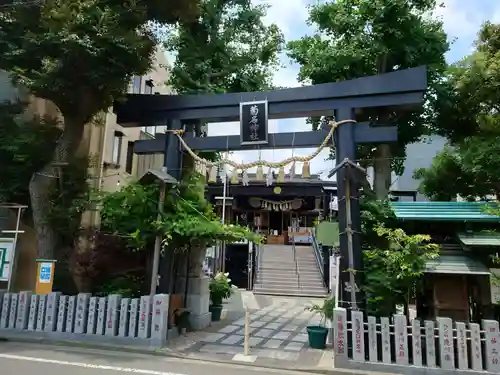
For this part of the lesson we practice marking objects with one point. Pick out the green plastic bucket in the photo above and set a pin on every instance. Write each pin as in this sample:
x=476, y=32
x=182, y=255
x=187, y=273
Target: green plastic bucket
x=317, y=337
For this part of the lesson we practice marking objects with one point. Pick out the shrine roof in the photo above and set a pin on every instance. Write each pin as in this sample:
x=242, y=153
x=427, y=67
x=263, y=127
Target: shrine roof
x=444, y=211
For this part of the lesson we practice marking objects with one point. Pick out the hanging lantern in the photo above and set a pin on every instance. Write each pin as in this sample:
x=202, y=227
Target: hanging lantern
x=269, y=178
x=234, y=176
x=306, y=173
x=259, y=176
x=244, y=179
x=222, y=173
x=213, y=174
x=281, y=175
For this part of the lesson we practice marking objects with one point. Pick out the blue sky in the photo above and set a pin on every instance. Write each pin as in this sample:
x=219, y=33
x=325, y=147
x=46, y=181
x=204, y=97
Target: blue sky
x=462, y=19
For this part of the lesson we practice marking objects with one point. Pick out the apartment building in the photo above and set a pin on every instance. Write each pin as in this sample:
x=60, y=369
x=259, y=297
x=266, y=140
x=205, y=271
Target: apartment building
x=113, y=145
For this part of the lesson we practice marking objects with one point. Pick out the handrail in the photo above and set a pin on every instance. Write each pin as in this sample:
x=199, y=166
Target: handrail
x=318, y=254
x=296, y=262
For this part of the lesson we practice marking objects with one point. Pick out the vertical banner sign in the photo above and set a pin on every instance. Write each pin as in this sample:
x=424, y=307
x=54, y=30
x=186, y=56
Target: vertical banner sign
x=253, y=123
x=6, y=254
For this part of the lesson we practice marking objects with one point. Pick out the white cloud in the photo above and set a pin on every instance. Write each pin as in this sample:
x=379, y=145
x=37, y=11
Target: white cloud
x=459, y=19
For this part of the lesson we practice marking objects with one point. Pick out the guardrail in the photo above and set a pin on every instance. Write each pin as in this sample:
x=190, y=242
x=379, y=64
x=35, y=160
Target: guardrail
x=296, y=262
x=318, y=253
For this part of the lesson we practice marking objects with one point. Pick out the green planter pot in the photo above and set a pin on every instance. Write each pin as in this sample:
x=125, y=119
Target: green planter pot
x=216, y=311
x=317, y=337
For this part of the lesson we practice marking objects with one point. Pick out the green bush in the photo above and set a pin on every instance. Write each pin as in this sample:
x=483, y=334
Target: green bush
x=220, y=288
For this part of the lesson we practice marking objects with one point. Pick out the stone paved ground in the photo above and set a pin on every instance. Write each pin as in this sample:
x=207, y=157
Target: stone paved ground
x=277, y=335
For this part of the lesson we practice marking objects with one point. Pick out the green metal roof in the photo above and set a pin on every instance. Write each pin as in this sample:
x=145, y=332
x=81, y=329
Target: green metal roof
x=443, y=211
x=479, y=239
x=456, y=264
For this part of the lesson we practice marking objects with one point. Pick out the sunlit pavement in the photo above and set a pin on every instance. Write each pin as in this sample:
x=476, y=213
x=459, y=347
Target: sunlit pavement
x=34, y=359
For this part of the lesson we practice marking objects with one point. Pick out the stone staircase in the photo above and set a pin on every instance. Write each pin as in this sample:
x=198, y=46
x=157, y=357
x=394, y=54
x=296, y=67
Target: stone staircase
x=277, y=274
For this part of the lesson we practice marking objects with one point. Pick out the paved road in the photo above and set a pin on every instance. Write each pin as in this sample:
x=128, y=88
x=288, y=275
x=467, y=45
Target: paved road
x=34, y=359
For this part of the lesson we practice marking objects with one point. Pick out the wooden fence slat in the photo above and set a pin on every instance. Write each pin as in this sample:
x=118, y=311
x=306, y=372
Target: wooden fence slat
x=430, y=343
x=92, y=317
x=475, y=346
x=492, y=345
x=372, y=339
x=385, y=331
x=340, y=332
x=446, y=350
x=416, y=342
x=462, y=352
x=358, y=336
x=401, y=339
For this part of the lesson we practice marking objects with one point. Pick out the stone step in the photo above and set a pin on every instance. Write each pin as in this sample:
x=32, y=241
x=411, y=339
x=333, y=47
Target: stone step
x=267, y=266
x=289, y=260
x=289, y=274
x=291, y=278
x=291, y=292
x=283, y=259
x=290, y=285
x=277, y=272
x=282, y=270
x=285, y=263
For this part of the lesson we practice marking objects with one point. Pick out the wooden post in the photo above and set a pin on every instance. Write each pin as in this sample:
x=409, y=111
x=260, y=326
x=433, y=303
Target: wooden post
x=246, y=348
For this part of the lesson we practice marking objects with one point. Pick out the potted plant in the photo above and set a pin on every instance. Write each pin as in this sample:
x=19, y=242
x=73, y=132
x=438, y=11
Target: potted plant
x=317, y=334
x=220, y=289
x=182, y=320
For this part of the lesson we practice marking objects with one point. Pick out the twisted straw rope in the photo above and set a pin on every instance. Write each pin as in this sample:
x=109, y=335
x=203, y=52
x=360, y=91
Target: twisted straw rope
x=304, y=159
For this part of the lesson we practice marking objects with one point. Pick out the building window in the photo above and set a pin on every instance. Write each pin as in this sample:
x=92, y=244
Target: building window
x=117, y=147
x=130, y=158
x=148, y=88
x=150, y=130
x=137, y=85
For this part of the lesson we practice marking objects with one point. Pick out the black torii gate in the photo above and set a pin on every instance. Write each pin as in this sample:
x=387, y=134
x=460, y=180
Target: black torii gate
x=344, y=100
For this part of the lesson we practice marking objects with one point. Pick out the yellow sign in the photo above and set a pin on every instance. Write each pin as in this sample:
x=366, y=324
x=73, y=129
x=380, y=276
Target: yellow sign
x=44, y=276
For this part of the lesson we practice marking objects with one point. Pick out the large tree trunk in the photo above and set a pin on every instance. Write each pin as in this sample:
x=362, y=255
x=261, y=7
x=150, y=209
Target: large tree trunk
x=42, y=182
x=382, y=171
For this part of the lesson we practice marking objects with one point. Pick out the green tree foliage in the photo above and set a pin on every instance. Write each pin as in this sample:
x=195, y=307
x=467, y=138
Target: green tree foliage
x=26, y=144
x=375, y=213
x=367, y=37
x=227, y=49
x=131, y=211
x=467, y=170
x=79, y=54
x=188, y=219
x=466, y=112
x=391, y=273
x=393, y=261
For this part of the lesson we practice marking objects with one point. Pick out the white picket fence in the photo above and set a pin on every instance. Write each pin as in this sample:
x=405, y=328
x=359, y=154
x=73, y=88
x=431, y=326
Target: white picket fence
x=135, y=321
x=440, y=345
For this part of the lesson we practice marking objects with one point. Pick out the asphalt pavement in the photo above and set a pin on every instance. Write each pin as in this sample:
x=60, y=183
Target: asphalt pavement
x=35, y=359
